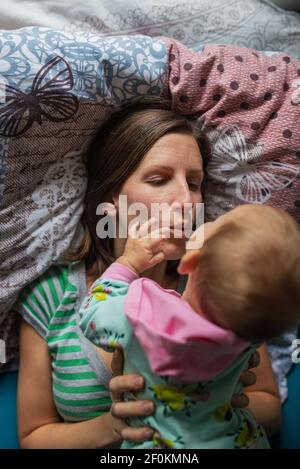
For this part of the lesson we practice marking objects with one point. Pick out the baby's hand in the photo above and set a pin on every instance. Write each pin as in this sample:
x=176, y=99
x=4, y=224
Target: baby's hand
x=142, y=249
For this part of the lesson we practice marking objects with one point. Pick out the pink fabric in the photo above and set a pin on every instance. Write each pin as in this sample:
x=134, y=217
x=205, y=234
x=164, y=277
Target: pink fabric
x=118, y=271
x=177, y=341
x=249, y=104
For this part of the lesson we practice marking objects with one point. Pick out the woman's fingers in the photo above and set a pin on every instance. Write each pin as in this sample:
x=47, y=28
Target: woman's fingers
x=121, y=410
x=118, y=426
x=125, y=410
x=239, y=400
x=124, y=383
x=117, y=362
x=248, y=378
x=125, y=432
x=254, y=360
x=137, y=434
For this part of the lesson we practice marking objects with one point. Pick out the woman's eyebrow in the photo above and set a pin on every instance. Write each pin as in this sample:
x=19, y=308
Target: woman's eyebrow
x=196, y=172
x=158, y=166
x=192, y=172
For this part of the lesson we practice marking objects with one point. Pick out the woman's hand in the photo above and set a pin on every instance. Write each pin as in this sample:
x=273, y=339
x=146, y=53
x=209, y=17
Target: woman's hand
x=247, y=378
x=121, y=410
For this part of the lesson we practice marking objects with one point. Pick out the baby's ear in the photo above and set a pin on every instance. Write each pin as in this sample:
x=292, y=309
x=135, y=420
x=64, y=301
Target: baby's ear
x=189, y=261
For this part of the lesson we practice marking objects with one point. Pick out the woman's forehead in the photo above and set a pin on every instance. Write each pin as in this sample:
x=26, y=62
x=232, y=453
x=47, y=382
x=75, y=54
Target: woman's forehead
x=172, y=148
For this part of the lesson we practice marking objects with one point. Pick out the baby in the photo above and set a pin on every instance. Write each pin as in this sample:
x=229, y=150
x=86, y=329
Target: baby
x=243, y=288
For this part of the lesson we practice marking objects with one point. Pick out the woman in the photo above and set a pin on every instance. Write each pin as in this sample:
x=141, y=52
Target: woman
x=149, y=154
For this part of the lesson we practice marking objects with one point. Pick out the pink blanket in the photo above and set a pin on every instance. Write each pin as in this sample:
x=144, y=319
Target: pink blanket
x=249, y=104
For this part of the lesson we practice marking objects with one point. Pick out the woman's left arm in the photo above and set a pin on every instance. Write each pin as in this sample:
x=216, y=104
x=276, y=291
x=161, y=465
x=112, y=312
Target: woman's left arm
x=264, y=398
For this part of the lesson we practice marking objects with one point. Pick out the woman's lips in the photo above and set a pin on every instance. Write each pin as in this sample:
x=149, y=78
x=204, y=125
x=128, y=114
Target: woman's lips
x=178, y=231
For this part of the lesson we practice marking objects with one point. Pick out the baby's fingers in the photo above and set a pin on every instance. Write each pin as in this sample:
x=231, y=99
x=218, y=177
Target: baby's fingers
x=156, y=235
x=157, y=258
x=134, y=230
x=151, y=224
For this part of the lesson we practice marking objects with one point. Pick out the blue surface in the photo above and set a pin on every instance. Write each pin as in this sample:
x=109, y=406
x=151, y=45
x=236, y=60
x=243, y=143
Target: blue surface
x=289, y=436
x=8, y=410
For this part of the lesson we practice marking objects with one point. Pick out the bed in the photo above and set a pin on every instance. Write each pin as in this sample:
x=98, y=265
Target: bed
x=80, y=31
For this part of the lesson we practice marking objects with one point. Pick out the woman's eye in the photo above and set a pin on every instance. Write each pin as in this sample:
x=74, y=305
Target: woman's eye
x=156, y=181
x=195, y=186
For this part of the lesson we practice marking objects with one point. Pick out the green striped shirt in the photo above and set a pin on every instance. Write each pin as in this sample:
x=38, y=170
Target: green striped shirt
x=51, y=305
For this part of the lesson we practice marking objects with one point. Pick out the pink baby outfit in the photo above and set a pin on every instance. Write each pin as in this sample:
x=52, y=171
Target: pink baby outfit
x=178, y=342
x=191, y=367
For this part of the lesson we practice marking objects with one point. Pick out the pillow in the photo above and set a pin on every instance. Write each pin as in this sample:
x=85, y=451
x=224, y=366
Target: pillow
x=256, y=23
x=248, y=103
x=55, y=89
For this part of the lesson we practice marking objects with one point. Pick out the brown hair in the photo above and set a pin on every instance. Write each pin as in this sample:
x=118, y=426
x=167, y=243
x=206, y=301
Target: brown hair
x=115, y=152
x=248, y=279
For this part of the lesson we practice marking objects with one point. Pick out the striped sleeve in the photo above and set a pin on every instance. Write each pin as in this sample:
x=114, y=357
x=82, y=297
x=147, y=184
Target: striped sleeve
x=38, y=301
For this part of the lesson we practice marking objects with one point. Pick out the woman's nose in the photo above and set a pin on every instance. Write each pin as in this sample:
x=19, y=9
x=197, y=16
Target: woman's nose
x=183, y=193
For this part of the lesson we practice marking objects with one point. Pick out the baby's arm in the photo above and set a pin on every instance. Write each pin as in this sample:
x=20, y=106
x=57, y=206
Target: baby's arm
x=102, y=317
x=103, y=320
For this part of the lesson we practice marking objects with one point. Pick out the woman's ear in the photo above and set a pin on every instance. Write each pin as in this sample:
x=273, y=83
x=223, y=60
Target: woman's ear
x=114, y=199
x=189, y=261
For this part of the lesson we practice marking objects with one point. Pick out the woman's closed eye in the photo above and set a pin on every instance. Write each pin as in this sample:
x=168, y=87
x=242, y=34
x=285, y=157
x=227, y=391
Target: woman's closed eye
x=194, y=186
x=156, y=181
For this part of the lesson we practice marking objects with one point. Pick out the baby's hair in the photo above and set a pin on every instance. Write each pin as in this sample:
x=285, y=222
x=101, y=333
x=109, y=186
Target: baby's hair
x=248, y=279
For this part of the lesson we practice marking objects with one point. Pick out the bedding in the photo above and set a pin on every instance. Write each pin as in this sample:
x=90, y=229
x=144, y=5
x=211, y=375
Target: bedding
x=260, y=24
x=42, y=183
x=56, y=89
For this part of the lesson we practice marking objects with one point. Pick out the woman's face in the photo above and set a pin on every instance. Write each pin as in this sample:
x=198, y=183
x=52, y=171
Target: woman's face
x=171, y=173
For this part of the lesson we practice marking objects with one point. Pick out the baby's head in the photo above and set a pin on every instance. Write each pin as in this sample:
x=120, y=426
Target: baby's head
x=246, y=277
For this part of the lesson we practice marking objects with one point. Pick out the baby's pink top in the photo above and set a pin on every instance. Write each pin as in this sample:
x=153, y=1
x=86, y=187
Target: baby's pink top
x=178, y=341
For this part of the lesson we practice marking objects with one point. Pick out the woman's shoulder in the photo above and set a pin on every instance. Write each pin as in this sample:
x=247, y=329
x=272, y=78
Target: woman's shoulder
x=39, y=300
x=63, y=275
x=53, y=280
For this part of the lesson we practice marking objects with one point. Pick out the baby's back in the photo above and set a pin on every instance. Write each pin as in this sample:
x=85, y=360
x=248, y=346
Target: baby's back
x=197, y=415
